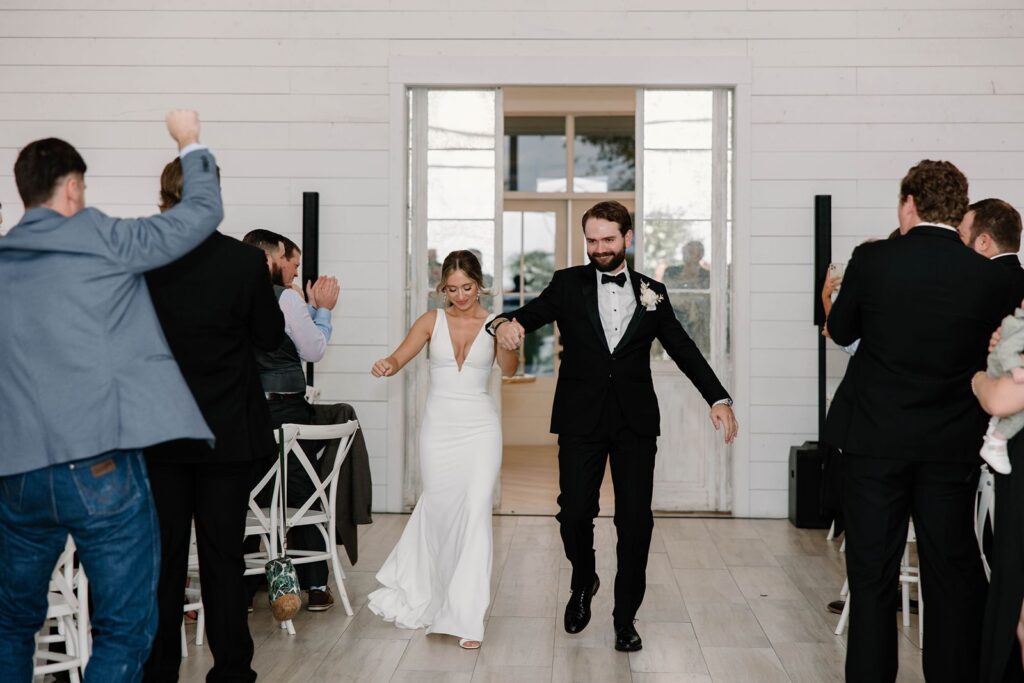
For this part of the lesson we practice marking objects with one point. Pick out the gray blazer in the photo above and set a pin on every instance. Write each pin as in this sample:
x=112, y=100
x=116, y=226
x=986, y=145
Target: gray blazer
x=84, y=366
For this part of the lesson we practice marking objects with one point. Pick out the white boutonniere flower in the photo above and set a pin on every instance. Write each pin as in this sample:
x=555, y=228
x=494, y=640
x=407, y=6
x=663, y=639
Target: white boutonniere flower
x=649, y=299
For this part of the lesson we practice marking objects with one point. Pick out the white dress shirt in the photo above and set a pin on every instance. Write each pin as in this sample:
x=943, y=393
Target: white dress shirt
x=616, y=305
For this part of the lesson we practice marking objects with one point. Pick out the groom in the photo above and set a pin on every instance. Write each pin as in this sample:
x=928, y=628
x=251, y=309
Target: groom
x=608, y=316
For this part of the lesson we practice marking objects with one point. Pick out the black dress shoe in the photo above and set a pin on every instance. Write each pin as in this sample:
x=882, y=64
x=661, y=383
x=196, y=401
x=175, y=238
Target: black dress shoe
x=627, y=639
x=577, y=611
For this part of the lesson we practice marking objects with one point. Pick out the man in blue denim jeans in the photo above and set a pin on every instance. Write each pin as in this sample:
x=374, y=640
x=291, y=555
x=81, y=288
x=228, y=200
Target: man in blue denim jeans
x=87, y=382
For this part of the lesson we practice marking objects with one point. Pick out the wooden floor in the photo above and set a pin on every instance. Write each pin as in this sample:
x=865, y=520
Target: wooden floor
x=727, y=600
x=529, y=482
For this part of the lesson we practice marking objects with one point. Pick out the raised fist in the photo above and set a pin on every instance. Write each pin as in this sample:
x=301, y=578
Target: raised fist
x=183, y=125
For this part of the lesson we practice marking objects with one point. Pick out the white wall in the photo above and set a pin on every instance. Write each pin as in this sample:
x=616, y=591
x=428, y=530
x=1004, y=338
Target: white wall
x=846, y=95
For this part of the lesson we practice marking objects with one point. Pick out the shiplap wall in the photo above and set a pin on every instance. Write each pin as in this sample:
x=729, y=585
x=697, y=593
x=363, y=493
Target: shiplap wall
x=846, y=95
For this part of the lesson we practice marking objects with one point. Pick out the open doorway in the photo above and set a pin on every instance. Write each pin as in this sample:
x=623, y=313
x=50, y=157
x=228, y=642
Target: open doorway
x=509, y=172
x=565, y=149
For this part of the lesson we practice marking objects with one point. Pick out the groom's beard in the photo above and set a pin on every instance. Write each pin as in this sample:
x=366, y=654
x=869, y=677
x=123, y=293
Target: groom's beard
x=607, y=266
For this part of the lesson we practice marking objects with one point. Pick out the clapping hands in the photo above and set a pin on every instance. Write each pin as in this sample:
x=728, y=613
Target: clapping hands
x=323, y=293
x=510, y=335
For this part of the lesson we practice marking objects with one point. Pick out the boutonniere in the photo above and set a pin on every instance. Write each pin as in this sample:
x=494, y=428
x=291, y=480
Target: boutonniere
x=649, y=299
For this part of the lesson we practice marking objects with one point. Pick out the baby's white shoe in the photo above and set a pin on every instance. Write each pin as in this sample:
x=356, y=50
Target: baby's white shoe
x=993, y=451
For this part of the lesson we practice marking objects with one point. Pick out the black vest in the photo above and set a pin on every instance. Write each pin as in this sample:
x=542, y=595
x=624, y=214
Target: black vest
x=281, y=369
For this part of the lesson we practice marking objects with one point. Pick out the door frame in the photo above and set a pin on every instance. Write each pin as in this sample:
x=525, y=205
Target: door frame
x=405, y=71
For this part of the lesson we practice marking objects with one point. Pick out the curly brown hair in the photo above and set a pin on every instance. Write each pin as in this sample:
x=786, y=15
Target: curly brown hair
x=468, y=263
x=939, y=190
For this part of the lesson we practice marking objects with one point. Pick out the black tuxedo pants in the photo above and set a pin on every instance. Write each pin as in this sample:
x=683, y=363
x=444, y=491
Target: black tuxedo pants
x=217, y=495
x=880, y=495
x=581, y=466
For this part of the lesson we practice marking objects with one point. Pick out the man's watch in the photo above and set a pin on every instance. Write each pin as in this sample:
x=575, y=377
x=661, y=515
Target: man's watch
x=724, y=402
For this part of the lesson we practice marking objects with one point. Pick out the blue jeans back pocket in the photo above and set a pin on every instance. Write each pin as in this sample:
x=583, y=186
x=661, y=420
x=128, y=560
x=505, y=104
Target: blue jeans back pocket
x=11, y=489
x=107, y=485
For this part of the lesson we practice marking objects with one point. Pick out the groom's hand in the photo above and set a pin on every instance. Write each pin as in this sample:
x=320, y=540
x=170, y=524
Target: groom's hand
x=722, y=416
x=510, y=335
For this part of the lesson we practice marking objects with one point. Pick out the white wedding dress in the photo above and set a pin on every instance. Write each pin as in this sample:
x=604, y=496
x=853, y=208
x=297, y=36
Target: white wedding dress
x=438, y=576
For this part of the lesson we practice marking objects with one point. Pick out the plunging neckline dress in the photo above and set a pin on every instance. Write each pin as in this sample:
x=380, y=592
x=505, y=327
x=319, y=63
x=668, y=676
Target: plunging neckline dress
x=438, y=576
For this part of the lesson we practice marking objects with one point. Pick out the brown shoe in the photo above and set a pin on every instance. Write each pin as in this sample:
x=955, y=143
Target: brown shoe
x=320, y=600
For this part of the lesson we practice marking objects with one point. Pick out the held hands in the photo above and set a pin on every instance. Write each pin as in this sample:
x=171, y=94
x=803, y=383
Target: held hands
x=510, y=335
x=385, y=367
x=722, y=416
x=183, y=125
x=323, y=293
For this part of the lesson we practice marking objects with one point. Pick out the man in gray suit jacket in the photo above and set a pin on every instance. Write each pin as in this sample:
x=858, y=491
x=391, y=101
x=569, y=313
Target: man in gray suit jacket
x=87, y=381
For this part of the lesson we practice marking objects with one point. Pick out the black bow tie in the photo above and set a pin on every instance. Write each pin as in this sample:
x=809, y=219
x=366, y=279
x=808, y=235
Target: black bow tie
x=619, y=279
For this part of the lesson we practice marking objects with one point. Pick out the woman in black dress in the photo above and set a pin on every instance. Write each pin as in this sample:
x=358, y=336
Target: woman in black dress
x=1003, y=629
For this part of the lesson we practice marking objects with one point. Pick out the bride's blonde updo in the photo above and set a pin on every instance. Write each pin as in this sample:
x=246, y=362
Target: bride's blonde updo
x=468, y=263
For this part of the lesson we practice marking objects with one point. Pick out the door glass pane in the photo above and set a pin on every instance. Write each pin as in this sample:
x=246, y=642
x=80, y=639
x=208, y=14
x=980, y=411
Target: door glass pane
x=677, y=119
x=678, y=253
x=677, y=184
x=529, y=253
x=604, y=154
x=460, y=119
x=460, y=184
x=678, y=193
x=535, y=154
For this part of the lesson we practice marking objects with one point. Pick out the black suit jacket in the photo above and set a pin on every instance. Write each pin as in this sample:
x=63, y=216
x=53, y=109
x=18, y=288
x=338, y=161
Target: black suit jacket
x=590, y=371
x=1011, y=263
x=216, y=305
x=924, y=307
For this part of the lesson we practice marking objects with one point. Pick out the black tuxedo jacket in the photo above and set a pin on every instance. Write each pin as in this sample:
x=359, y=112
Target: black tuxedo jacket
x=924, y=307
x=1012, y=264
x=590, y=372
x=216, y=305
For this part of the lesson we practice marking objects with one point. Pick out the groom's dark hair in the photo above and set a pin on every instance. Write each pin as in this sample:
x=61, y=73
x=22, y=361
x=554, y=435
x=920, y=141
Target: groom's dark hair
x=40, y=165
x=612, y=212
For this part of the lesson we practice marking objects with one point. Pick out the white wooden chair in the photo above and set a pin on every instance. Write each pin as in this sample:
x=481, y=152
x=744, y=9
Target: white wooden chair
x=69, y=612
x=325, y=518
x=985, y=511
x=264, y=522
x=910, y=575
x=193, y=598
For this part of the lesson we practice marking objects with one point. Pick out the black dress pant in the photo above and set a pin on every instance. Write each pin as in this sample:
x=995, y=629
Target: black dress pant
x=216, y=495
x=879, y=496
x=581, y=466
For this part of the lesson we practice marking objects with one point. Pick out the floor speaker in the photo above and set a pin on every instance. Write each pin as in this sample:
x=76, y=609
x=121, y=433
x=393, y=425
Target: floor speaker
x=805, y=486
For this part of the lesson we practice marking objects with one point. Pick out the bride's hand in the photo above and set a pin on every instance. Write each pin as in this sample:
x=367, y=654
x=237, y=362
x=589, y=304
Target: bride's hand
x=385, y=367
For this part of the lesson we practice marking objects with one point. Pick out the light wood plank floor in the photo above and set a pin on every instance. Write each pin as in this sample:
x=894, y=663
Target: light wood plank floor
x=529, y=482
x=727, y=600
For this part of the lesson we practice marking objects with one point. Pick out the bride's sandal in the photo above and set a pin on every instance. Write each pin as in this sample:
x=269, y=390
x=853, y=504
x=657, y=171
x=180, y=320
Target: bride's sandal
x=469, y=644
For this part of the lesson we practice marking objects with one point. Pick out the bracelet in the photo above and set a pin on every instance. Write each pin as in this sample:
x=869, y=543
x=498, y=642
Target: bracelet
x=492, y=328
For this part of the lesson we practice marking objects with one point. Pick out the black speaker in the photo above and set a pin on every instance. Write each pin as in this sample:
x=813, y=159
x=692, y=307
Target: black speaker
x=310, y=249
x=805, y=487
x=822, y=250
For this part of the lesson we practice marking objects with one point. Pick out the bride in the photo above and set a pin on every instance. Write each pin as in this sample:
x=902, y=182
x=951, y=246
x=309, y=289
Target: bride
x=439, y=574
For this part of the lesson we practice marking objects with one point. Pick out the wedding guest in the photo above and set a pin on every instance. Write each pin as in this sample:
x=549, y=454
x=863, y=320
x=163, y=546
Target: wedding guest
x=307, y=332
x=923, y=307
x=213, y=344
x=1003, y=629
x=88, y=382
